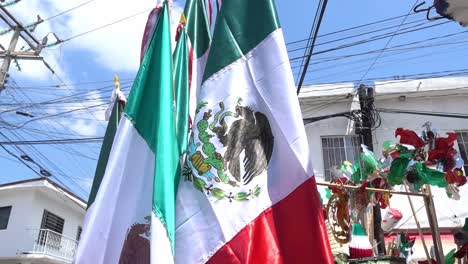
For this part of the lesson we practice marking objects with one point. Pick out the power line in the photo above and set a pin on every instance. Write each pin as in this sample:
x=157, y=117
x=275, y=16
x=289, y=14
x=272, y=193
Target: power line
x=68, y=10
x=395, y=48
x=388, y=42
x=426, y=113
x=54, y=141
x=315, y=29
x=366, y=41
x=362, y=34
x=103, y=26
x=349, y=29
x=56, y=100
x=20, y=160
x=58, y=85
x=56, y=115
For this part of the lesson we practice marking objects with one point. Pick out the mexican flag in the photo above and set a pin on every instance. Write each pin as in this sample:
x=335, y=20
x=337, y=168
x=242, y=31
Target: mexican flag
x=248, y=194
x=198, y=14
x=181, y=81
x=132, y=217
x=113, y=115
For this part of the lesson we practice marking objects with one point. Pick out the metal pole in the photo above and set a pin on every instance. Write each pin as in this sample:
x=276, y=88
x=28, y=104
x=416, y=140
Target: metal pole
x=351, y=187
x=366, y=99
x=432, y=217
x=7, y=60
x=421, y=235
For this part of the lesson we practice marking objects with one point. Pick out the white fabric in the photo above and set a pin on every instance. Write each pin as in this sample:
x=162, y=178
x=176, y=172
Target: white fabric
x=124, y=199
x=264, y=81
x=198, y=67
x=116, y=95
x=160, y=244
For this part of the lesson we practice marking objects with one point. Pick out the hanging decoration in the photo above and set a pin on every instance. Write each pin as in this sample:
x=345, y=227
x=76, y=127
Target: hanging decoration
x=428, y=158
x=411, y=159
x=391, y=218
x=338, y=215
x=456, y=10
x=359, y=247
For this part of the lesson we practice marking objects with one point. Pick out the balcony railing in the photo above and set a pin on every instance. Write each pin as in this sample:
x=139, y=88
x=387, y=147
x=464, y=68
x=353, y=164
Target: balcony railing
x=48, y=242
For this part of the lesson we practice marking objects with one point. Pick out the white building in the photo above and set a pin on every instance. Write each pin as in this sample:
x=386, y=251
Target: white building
x=333, y=140
x=40, y=222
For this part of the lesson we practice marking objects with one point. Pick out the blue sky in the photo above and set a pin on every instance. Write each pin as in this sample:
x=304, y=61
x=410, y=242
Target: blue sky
x=87, y=65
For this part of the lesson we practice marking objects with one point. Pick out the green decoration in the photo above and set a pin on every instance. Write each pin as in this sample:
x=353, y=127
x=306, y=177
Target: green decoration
x=370, y=163
x=429, y=176
x=387, y=144
x=450, y=257
x=397, y=170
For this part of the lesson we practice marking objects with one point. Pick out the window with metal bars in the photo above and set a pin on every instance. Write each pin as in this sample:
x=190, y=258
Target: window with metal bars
x=52, y=222
x=462, y=139
x=4, y=216
x=337, y=149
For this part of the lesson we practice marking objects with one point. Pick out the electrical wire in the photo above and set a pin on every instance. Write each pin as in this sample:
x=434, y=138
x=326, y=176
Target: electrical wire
x=362, y=34
x=106, y=25
x=68, y=10
x=400, y=47
x=366, y=41
x=389, y=40
x=54, y=141
x=348, y=29
x=20, y=160
x=314, y=32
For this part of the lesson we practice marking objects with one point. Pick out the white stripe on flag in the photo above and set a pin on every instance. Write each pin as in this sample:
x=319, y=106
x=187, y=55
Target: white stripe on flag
x=124, y=198
x=252, y=78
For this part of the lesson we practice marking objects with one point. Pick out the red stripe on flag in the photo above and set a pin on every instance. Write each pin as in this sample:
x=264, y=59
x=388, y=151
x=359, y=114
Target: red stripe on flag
x=150, y=23
x=291, y=231
x=190, y=69
x=210, y=10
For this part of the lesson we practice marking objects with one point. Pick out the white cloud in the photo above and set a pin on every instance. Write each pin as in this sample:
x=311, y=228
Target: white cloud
x=117, y=47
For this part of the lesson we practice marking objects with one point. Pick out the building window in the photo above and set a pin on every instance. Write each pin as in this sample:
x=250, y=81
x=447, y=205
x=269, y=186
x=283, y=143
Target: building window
x=78, y=233
x=52, y=222
x=337, y=149
x=462, y=139
x=4, y=216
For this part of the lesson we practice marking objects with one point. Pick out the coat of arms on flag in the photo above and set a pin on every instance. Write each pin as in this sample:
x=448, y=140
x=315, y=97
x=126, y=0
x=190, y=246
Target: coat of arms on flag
x=231, y=145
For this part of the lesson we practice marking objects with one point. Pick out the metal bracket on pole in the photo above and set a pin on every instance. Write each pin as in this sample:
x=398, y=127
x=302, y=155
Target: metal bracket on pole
x=7, y=58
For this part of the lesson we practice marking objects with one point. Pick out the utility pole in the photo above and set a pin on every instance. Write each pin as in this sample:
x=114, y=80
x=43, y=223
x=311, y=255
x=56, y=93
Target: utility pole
x=23, y=32
x=366, y=102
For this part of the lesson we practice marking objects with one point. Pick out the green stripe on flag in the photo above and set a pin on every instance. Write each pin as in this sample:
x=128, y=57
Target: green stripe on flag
x=238, y=32
x=105, y=150
x=198, y=28
x=150, y=107
x=181, y=80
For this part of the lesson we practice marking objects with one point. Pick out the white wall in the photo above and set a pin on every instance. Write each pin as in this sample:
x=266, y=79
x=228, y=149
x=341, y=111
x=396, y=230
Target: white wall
x=435, y=101
x=450, y=213
x=28, y=206
x=14, y=237
x=328, y=127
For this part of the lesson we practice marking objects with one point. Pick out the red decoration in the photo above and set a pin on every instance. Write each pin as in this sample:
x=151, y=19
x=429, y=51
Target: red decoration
x=462, y=252
x=409, y=137
x=455, y=177
x=444, y=152
x=341, y=180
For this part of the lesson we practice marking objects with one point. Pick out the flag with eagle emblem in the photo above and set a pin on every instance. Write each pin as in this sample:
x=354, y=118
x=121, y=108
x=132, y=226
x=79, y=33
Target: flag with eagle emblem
x=132, y=219
x=248, y=194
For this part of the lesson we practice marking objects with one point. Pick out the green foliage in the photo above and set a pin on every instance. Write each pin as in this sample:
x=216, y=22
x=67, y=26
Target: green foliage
x=199, y=184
